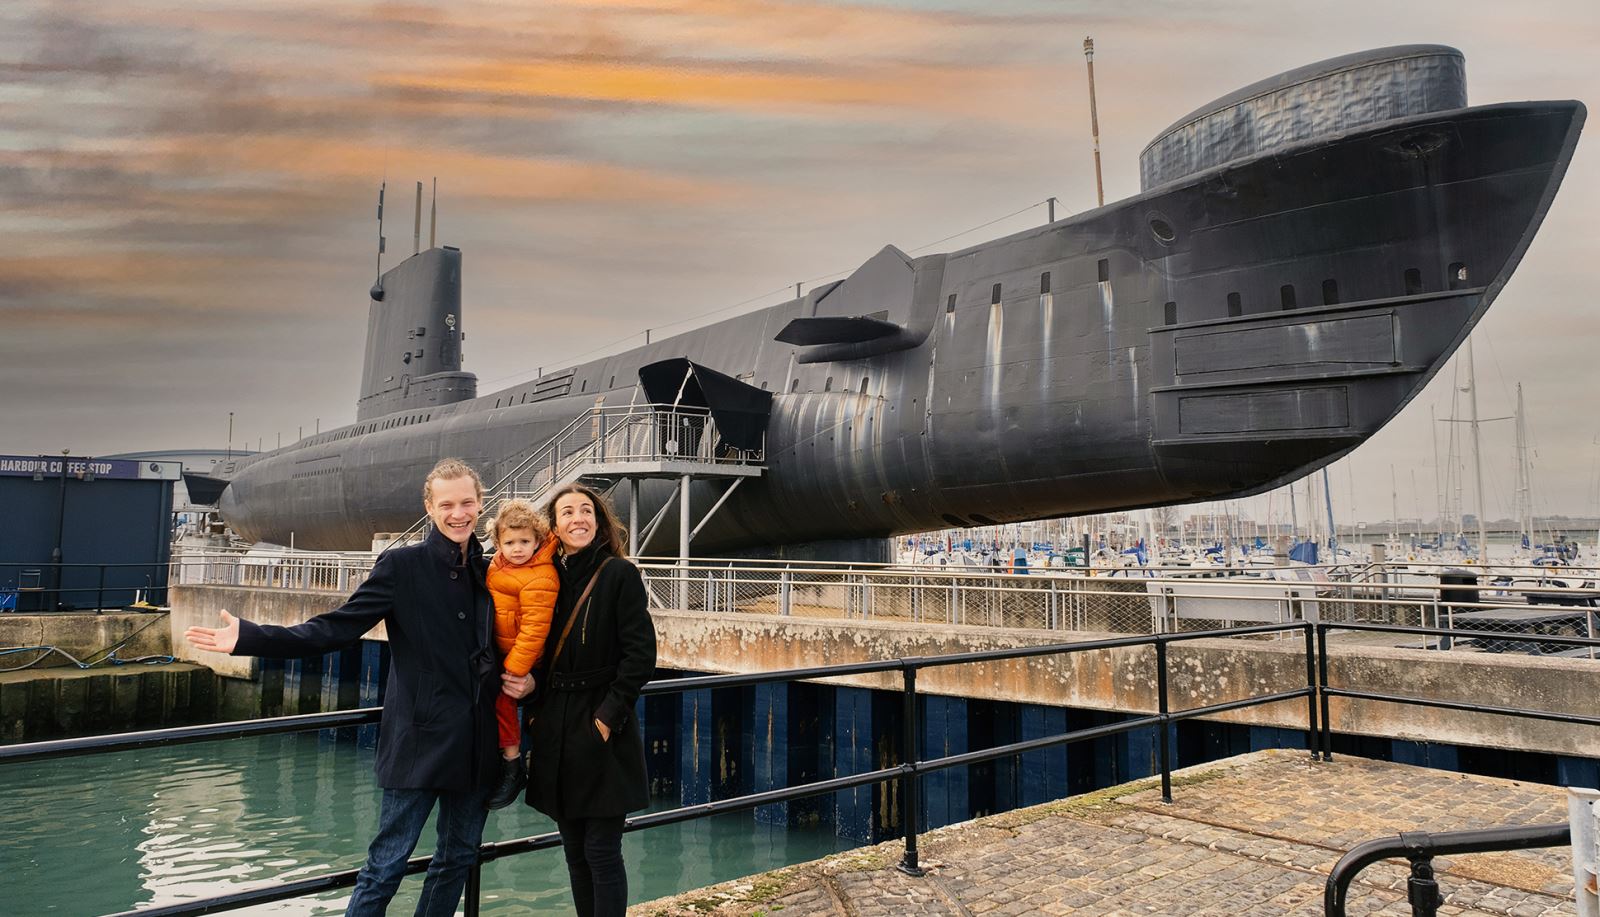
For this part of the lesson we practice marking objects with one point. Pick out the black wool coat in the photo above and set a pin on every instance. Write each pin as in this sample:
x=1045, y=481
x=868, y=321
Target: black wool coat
x=438, y=729
x=609, y=655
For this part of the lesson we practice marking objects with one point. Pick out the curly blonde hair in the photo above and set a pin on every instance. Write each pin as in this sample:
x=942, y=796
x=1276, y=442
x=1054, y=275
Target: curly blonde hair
x=518, y=514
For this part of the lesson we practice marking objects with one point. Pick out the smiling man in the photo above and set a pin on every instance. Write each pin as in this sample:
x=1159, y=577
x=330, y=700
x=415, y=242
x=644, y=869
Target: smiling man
x=437, y=744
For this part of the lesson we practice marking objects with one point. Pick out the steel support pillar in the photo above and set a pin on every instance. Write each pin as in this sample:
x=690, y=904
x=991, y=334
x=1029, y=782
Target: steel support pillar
x=683, y=543
x=633, y=517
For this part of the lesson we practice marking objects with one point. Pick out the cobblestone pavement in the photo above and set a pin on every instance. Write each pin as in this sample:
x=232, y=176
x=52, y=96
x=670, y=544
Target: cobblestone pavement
x=1253, y=835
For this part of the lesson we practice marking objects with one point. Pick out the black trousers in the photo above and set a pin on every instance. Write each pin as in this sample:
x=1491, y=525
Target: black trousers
x=593, y=847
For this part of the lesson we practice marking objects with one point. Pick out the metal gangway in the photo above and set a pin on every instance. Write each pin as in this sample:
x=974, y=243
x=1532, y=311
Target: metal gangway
x=607, y=446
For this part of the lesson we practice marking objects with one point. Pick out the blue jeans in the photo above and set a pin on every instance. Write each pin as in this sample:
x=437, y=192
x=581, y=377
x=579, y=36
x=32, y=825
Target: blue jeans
x=461, y=818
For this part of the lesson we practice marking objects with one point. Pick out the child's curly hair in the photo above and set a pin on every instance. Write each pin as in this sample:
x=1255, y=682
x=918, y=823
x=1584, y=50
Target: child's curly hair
x=518, y=514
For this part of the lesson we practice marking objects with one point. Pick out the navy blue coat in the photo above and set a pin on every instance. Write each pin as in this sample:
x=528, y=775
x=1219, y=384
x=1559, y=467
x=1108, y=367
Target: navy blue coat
x=438, y=727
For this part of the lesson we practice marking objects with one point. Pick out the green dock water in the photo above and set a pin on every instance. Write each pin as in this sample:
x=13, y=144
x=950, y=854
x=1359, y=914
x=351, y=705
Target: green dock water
x=105, y=833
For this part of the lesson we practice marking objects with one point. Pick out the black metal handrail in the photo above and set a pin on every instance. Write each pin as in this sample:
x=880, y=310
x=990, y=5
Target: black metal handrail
x=908, y=771
x=1420, y=847
x=155, y=583
x=1327, y=692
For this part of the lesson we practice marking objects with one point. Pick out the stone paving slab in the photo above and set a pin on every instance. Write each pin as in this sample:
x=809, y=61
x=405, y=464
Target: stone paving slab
x=1252, y=835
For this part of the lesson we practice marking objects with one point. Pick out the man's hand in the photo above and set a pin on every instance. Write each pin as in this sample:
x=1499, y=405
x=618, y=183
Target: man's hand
x=516, y=686
x=217, y=640
x=604, y=730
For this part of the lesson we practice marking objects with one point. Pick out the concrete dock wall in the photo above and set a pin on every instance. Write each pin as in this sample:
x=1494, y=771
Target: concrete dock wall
x=86, y=637
x=1202, y=672
x=39, y=704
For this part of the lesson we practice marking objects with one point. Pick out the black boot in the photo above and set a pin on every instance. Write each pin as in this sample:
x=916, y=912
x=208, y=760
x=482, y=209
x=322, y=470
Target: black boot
x=513, y=777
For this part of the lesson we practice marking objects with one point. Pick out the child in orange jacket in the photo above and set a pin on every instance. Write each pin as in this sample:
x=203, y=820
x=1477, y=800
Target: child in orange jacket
x=522, y=578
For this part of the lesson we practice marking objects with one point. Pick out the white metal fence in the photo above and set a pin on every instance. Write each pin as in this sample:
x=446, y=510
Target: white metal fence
x=1522, y=608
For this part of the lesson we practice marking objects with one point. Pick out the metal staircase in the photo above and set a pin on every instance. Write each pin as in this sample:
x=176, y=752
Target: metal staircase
x=607, y=445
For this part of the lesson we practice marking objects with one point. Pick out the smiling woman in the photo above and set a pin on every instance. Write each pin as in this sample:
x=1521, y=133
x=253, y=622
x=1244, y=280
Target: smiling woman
x=587, y=766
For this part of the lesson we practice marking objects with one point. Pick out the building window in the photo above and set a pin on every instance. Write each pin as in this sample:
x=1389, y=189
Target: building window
x=1172, y=313
x=1286, y=294
x=1044, y=282
x=612, y=383
x=794, y=384
x=994, y=295
x=1458, y=274
x=950, y=304
x=583, y=386
x=827, y=386
x=1235, y=305
x=865, y=380
x=1330, y=292
x=1413, y=281
x=1105, y=270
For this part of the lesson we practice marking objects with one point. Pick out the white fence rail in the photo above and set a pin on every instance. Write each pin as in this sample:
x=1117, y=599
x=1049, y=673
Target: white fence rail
x=1173, y=601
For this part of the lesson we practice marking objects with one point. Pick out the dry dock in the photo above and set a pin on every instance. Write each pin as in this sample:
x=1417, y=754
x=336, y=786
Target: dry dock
x=1252, y=835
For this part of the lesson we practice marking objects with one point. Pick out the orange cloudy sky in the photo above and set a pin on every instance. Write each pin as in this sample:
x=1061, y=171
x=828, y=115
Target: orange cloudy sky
x=187, y=188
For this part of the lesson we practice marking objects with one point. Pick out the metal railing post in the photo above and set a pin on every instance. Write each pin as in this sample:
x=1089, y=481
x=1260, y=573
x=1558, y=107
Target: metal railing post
x=1312, y=732
x=910, y=785
x=100, y=592
x=1583, y=817
x=1422, y=888
x=1322, y=691
x=474, y=889
x=1161, y=707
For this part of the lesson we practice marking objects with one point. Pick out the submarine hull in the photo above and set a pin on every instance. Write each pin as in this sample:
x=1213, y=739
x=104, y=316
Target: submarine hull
x=1212, y=337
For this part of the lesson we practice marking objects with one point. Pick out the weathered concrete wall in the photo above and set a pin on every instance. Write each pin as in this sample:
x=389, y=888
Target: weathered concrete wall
x=40, y=703
x=200, y=605
x=1202, y=672
x=85, y=636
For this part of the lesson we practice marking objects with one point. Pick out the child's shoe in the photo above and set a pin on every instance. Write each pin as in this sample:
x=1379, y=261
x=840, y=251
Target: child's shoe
x=513, y=777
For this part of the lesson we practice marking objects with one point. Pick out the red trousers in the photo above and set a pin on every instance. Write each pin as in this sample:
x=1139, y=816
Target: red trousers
x=505, y=715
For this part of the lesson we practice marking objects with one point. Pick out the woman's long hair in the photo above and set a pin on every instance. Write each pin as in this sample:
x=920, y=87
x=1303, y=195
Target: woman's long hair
x=609, y=531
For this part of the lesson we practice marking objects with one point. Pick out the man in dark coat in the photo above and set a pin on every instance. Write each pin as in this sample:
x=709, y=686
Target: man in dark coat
x=436, y=745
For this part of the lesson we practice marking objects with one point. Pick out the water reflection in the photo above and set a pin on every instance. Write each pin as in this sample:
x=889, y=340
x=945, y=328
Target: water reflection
x=104, y=833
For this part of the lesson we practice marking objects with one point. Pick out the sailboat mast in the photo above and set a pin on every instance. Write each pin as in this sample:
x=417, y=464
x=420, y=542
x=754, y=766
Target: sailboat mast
x=1438, y=484
x=1394, y=507
x=1477, y=458
x=1333, y=532
x=1524, y=474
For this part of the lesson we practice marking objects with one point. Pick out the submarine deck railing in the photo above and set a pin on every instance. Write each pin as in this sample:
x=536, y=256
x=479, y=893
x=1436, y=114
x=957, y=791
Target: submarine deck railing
x=908, y=772
x=1518, y=620
x=612, y=435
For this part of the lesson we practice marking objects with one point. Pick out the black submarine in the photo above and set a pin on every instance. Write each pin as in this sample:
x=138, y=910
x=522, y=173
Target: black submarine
x=1304, y=254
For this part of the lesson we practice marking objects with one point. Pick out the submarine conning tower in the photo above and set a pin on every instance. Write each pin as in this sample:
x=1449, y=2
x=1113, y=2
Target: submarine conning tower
x=1321, y=99
x=414, y=336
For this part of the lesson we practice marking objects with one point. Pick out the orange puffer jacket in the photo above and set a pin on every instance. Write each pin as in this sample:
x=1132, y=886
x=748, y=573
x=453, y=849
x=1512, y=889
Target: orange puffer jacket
x=524, y=601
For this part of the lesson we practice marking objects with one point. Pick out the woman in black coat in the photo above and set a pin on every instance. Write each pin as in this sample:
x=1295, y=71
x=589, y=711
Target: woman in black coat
x=587, y=766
